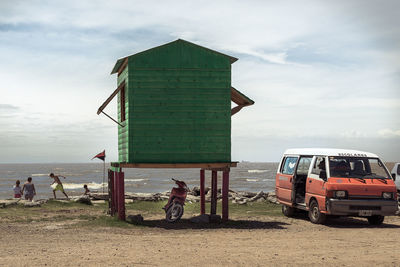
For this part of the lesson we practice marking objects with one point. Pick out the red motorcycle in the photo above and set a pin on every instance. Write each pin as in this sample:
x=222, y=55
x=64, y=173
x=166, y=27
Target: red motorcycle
x=174, y=207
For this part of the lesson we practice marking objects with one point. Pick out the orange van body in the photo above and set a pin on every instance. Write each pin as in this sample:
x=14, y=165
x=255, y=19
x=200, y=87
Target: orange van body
x=335, y=182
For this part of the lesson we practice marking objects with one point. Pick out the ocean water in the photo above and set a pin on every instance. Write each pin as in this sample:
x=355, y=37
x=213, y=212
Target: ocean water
x=247, y=176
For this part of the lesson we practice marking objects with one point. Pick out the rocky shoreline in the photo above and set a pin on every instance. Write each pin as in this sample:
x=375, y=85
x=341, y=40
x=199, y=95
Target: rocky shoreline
x=238, y=197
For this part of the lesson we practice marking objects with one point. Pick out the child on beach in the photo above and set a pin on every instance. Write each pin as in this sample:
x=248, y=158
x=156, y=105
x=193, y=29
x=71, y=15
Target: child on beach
x=87, y=191
x=59, y=185
x=29, y=189
x=17, y=190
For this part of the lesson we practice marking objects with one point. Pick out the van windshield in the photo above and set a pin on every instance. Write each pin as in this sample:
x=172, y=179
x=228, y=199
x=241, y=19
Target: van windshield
x=353, y=167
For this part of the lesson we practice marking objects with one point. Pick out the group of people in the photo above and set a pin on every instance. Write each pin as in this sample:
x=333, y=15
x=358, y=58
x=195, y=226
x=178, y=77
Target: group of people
x=28, y=189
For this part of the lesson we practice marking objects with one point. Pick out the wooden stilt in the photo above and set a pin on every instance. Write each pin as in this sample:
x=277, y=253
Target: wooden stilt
x=225, y=193
x=121, y=196
x=202, y=192
x=111, y=210
x=214, y=185
x=115, y=192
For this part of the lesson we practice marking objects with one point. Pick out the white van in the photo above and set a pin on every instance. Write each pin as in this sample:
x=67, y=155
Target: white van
x=396, y=175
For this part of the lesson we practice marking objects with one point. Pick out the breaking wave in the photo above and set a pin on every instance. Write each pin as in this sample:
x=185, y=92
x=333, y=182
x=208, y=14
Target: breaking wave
x=257, y=171
x=91, y=185
x=135, y=180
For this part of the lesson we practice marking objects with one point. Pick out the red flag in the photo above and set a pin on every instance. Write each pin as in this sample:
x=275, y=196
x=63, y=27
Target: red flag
x=101, y=155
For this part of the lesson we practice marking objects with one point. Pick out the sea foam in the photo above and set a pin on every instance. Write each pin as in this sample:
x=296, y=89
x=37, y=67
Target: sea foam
x=257, y=171
x=91, y=185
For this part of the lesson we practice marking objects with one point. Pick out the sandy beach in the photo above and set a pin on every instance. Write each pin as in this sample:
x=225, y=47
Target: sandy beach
x=69, y=236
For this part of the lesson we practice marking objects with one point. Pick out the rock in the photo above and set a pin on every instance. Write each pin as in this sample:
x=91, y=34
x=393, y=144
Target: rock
x=272, y=198
x=9, y=202
x=215, y=218
x=99, y=196
x=32, y=204
x=256, y=197
x=85, y=199
x=195, y=191
x=204, y=218
x=192, y=198
x=94, y=202
x=135, y=219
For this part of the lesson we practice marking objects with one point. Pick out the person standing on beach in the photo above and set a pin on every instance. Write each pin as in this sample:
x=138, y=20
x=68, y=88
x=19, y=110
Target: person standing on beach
x=29, y=189
x=17, y=190
x=59, y=185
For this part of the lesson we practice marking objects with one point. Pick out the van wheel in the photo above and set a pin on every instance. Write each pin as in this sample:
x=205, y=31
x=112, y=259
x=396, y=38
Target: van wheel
x=376, y=219
x=315, y=214
x=287, y=211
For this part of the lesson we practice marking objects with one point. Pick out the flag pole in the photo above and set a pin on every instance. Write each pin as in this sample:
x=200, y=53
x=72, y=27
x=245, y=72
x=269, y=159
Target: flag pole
x=104, y=172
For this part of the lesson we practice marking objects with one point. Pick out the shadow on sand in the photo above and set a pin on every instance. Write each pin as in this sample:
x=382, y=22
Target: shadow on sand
x=231, y=224
x=345, y=222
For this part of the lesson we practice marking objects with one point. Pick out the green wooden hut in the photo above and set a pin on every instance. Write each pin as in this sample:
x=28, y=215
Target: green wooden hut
x=174, y=105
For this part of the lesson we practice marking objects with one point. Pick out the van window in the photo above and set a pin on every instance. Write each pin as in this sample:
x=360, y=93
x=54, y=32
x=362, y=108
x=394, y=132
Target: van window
x=365, y=168
x=319, y=167
x=288, y=165
x=304, y=165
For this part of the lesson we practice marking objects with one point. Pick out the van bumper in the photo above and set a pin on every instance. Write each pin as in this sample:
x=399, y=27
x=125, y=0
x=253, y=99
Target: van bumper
x=364, y=207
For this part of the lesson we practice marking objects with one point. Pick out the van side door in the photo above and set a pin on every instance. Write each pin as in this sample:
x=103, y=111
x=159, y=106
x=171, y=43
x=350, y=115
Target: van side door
x=284, y=179
x=315, y=186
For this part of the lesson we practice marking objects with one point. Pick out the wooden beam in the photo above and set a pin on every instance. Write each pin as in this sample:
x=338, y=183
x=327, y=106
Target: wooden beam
x=123, y=66
x=110, y=98
x=202, y=193
x=221, y=165
x=225, y=196
x=121, y=196
x=214, y=191
x=236, y=109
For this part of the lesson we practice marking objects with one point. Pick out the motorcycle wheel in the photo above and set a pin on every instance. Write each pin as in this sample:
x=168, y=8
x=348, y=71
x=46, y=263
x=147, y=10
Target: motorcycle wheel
x=174, y=212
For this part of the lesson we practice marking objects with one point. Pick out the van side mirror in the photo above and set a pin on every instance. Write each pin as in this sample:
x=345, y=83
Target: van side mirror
x=394, y=176
x=322, y=175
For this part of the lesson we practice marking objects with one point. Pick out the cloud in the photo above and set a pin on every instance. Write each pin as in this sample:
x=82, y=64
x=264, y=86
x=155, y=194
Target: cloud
x=321, y=70
x=388, y=133
x=8, y=107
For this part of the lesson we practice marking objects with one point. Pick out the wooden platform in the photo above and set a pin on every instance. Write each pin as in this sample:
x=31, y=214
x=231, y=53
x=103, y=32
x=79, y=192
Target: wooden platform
x=207, y=166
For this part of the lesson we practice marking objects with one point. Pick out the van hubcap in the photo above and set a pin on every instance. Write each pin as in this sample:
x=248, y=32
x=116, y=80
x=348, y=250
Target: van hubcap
x=315, y=212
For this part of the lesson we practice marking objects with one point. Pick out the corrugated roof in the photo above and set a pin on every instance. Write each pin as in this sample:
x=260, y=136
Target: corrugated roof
x=121, y=60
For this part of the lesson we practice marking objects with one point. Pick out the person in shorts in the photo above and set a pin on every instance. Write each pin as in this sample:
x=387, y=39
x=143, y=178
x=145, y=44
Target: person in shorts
x=17, y=190
x=29, y=189
x=59, y=185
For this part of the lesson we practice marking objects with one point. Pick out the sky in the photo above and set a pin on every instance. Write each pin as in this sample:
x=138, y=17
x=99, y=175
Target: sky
x=321, y=73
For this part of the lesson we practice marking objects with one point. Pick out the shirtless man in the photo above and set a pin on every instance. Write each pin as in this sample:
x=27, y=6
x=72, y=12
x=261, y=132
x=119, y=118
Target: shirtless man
x=59, y=185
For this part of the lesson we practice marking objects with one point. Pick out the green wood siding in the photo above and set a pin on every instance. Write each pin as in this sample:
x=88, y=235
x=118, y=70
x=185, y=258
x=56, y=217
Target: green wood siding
x=178, y=106
x=123, y=132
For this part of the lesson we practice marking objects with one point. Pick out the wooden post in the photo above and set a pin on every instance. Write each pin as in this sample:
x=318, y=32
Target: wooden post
x=111, y=210
x=115, y=192
x=202, y=192
x=121, y=196
x=225, y=193
x=213, y=192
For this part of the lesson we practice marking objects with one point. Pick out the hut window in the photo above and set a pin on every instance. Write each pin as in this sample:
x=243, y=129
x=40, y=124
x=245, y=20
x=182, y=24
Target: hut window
x=122, y=103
